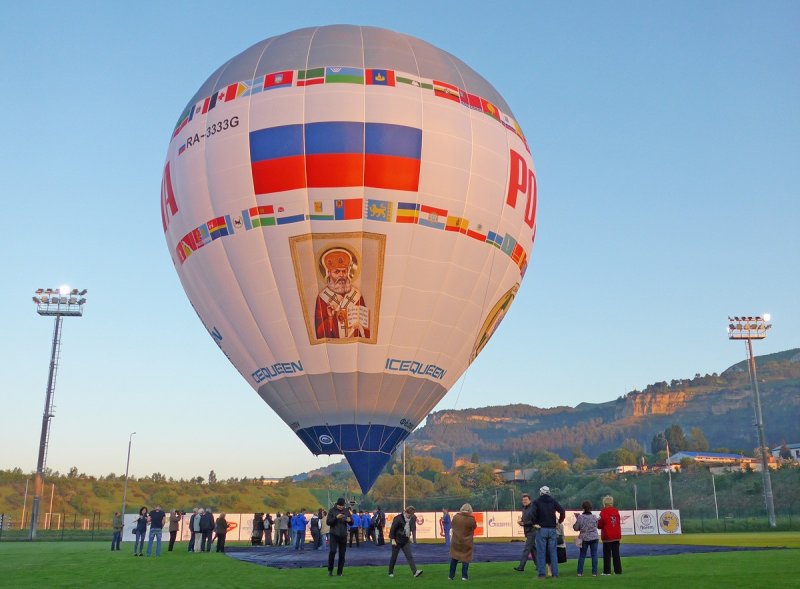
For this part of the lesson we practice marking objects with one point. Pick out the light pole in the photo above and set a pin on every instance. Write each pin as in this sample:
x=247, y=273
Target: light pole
x=404, y=475
x=59, y=303
x=125, y=486
x=714, y=486
x=748, y=329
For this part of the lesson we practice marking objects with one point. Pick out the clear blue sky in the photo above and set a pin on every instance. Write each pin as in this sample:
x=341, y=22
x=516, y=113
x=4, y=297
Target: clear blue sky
x=666, y=139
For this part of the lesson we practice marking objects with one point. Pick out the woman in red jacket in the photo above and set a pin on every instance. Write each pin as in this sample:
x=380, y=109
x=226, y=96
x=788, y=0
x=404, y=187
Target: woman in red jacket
x=610, y=532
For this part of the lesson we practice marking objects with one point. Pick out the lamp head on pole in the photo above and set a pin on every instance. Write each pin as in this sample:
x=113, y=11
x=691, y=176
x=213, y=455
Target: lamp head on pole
x=748, y=328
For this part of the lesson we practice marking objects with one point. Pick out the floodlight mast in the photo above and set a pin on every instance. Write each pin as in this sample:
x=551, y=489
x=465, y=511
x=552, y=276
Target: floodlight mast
x=748, y=329
x=59, y=303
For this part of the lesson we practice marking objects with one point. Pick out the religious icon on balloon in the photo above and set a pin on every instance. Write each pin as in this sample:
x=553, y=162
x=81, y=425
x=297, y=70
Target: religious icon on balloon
x=493, y=320
x=339, y=277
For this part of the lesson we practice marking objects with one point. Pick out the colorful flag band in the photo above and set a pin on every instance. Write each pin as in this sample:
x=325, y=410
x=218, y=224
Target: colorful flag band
x=348, y=209
x=345, y=75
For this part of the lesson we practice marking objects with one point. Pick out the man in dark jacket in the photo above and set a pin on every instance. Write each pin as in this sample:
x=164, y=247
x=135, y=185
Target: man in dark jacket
x=380, y=523
x=314, y=526
x=207, y=530
x=338, y=519
x=400, y=536
x=544, y=518
x=191, y=529
x=526, y=521
x=221, y=528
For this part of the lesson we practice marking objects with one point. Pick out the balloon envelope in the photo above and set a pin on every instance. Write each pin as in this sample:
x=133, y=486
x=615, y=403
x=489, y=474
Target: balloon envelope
x=350, y=211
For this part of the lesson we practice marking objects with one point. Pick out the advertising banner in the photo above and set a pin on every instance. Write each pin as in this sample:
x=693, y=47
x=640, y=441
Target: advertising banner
x=645, y=521
x=498, y=524
x=491, y=524
x=669, y=521
x=627, y=523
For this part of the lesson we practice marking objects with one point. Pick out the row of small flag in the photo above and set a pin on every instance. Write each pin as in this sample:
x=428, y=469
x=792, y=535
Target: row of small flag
x=344, y=209
x=344, y=75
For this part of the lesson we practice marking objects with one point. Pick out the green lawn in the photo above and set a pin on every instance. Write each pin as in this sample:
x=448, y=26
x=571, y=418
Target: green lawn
x=92, y=564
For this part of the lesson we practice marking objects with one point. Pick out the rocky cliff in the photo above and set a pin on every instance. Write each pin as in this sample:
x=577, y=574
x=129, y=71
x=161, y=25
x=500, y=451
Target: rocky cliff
x=721, y=405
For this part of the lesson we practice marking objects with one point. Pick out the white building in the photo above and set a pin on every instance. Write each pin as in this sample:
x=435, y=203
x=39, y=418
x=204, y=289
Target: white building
x=794, y=450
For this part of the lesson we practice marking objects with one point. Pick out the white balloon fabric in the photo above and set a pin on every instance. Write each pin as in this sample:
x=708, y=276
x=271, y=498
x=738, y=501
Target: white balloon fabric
x=350, y=211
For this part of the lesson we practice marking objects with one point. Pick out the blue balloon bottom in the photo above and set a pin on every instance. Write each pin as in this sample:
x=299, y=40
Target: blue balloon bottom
x=366, y=447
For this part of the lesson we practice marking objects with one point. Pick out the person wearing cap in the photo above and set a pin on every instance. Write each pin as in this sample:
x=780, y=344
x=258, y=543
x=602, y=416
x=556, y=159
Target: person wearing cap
x=338, y=519
x=544, y=518
x=400, y=536
x=340, y=310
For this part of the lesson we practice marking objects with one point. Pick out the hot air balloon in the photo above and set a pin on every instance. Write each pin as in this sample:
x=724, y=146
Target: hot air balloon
x=350, y=211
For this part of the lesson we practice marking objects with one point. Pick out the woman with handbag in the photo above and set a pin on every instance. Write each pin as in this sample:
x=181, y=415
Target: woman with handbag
x=586, y=524
x=140, y=531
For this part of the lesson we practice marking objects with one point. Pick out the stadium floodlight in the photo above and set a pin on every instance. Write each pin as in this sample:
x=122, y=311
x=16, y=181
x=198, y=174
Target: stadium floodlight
x=55, y=303
x=748, y=329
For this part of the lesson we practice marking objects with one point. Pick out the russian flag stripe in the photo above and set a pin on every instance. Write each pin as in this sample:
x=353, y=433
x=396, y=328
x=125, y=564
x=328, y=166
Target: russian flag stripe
x=276, y=142
x=396, y=140
x=335, y=170
x=334, y=137
x=278, y=175
x=396, y=173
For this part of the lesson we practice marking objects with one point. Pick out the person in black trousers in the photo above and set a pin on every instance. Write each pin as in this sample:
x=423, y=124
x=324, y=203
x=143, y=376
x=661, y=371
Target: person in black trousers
x=526, y=521
x=338, y=518
x=400, y=536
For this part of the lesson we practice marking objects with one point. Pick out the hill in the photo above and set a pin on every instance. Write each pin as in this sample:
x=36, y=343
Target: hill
x=719, y=404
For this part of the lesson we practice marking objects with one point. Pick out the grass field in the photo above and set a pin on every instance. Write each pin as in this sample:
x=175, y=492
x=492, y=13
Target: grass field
x=92, y=564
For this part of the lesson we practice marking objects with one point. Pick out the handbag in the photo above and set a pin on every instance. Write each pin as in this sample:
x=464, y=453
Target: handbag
x=578, y=541
x=562, y=554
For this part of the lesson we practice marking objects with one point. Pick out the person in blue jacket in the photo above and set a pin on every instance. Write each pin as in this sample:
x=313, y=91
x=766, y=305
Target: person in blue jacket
x=354, y=527
x=299, y=524
x=444, y=526
x=364, y=517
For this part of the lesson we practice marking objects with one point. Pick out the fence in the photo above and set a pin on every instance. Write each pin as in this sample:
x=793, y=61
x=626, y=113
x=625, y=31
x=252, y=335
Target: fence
x=56, y=526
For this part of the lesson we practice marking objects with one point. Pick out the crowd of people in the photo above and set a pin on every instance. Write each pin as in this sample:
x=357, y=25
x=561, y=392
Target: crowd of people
x=542, y=520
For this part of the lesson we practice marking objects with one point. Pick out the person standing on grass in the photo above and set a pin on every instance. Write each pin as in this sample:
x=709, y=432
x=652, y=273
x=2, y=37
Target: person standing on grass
x=198, y=532
x=610, y=524
x=278, y=535
x=285, y=529
x=221, y=528
x=400, y=537
x=355, y=524
x=313, y=525
x=192, y=519
x=299, y=524
x=339, y=517
x=586, y=524
x=462, y=541
x=140, y=531
x=174, y=525
x=324, y=528
x=268, y=525
x=380, y=523
x=544, y=516
x=526, y=521
x=444, y=525
x=157, y=518
x=117, y=524
x=207, y=530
